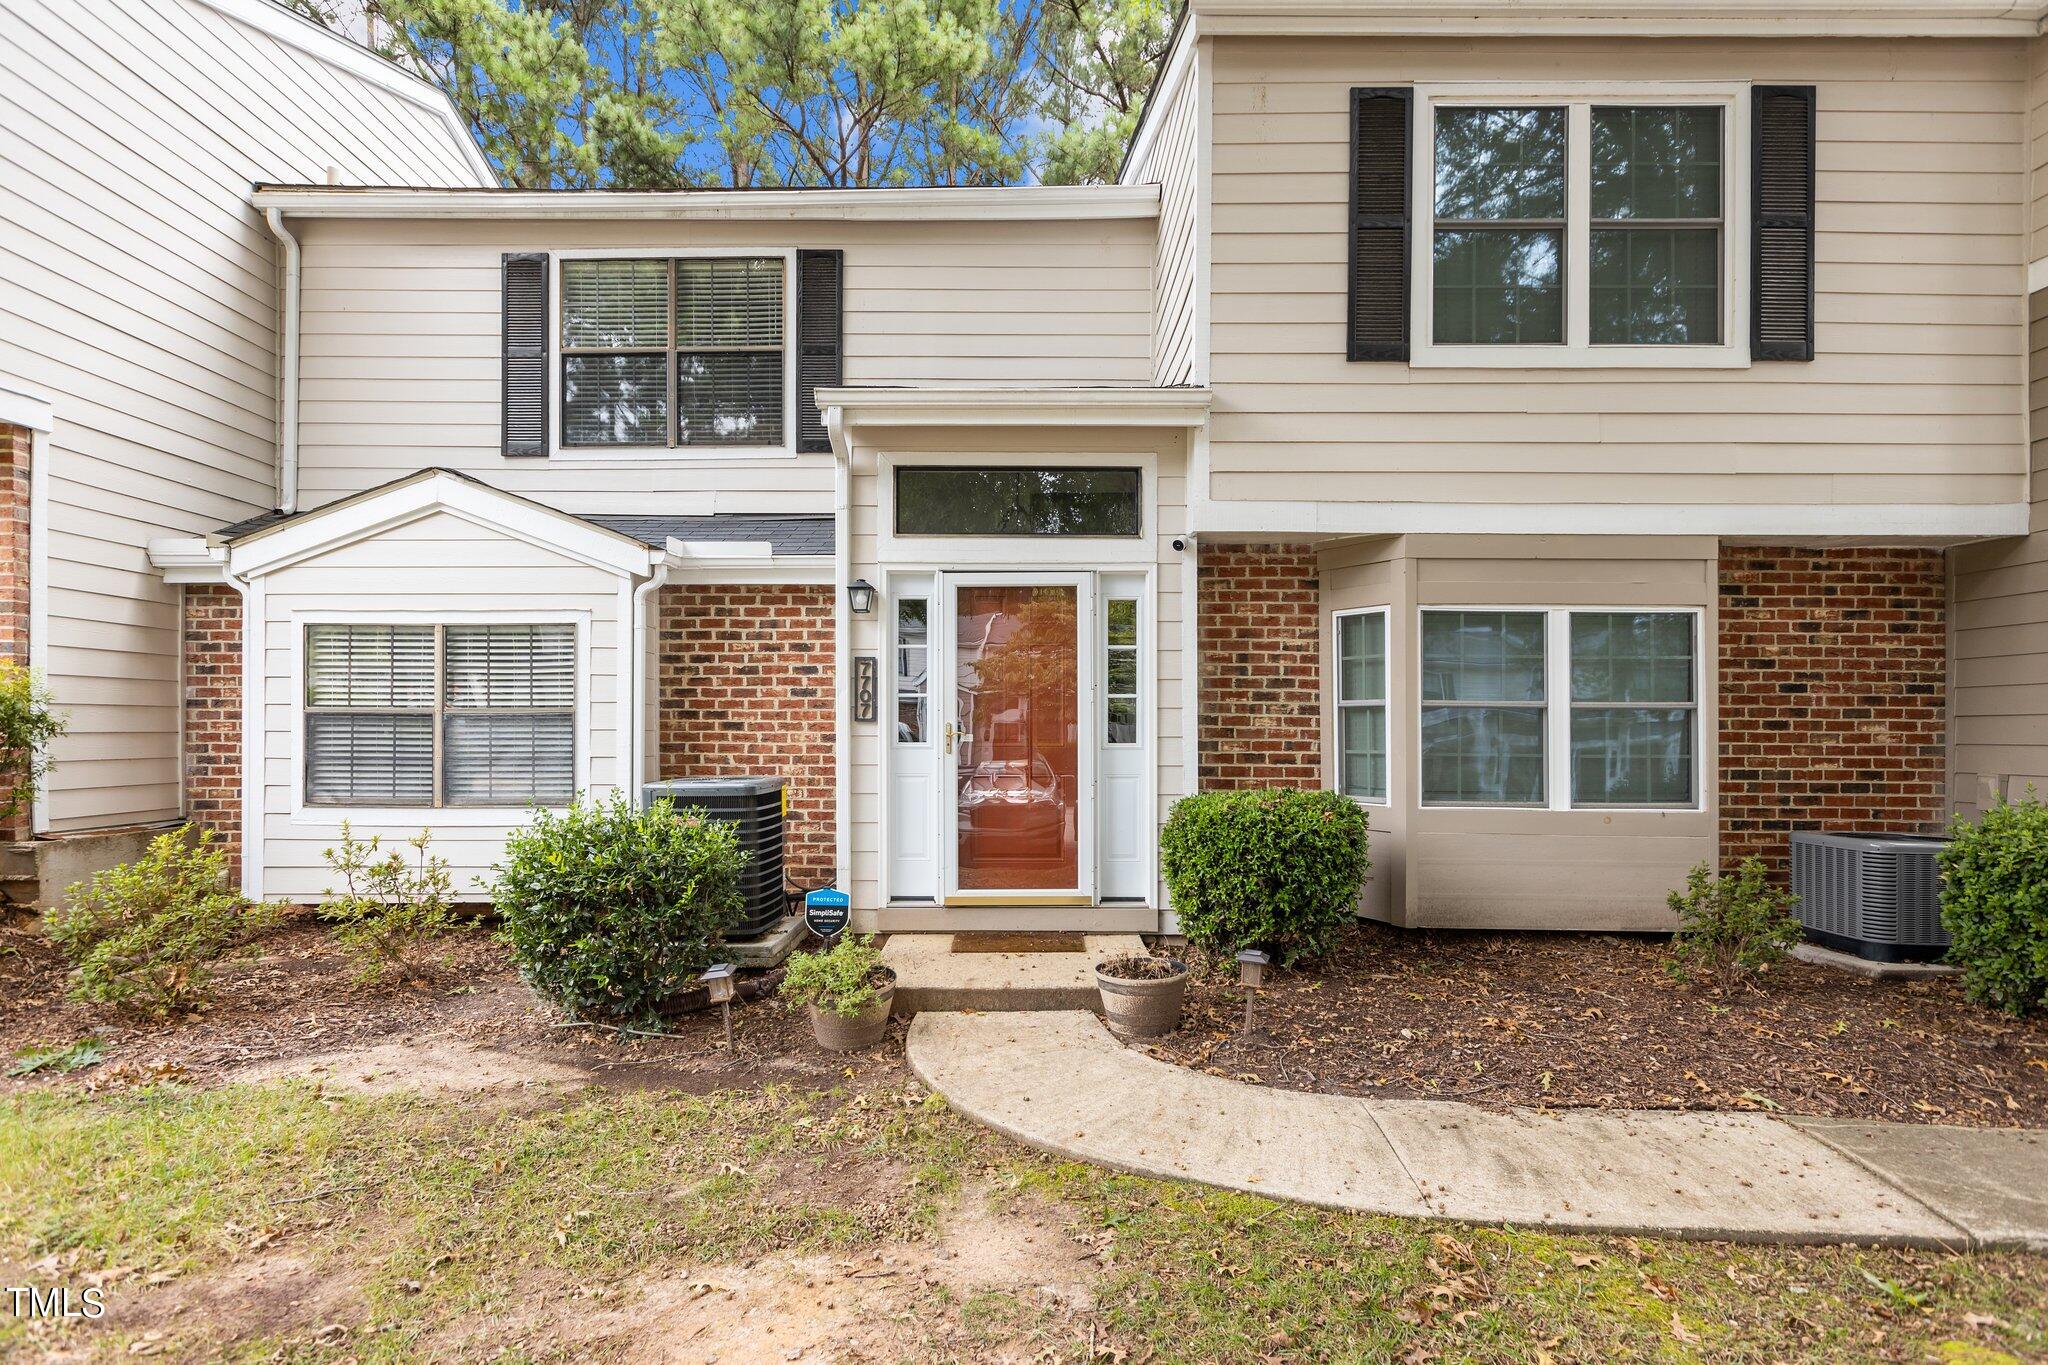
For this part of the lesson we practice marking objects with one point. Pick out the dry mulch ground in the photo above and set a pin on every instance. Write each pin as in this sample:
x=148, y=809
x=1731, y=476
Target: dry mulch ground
x=289, y=1005
x=1576, y=1021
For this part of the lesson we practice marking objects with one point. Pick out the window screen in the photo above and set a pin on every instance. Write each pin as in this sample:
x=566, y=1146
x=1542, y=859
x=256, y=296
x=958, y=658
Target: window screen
x=1633, y=704
x=673, y=352
x=1500, y=226
x=457, y=715
x=938, y=501
x=1362, y=705
x=1483, y=708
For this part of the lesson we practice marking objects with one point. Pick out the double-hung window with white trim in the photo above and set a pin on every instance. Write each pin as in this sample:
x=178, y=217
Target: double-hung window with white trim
x=1576, y=228
x=1560, y=708
x=683, y=352
x=440, y=715
x=1361, y=702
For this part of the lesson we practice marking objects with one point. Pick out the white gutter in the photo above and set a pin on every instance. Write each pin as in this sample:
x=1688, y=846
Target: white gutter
x=288, y=378
x=636, y=675
x=842, y=651
x=1621, y=18
x=1031, y=203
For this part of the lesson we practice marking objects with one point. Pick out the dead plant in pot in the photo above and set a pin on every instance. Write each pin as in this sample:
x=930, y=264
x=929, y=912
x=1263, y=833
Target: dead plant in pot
x=847, y=991
x=1141, y=994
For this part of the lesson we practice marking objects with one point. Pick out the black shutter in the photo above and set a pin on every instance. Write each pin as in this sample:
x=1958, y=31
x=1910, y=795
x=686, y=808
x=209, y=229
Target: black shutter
x=1781, y=236
x=1377, y=314
x=820, y=340
x=524, y=417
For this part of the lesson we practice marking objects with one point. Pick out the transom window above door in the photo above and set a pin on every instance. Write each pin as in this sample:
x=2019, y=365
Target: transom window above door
x=1576, y=230
x=686, y=352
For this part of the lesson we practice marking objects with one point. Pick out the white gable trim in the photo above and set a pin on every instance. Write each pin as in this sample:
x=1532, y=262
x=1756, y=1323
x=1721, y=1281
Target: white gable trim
x=356, y=519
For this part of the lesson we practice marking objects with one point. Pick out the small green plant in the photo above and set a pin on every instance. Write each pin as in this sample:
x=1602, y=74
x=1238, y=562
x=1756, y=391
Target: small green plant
x=142, y=936
x=844, y=979
x=387, y=906
x=1279, y=870
x=73, y=1056
x=27, y=725
x=1994, y=904
x=610, y=911
x=1730, y=929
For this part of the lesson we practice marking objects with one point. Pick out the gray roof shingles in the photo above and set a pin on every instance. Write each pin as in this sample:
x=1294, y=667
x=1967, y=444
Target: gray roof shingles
x=788, y=535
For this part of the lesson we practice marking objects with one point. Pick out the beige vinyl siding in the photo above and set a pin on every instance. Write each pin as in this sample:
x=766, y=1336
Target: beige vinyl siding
x=401, y=359
x=1171, y=161
x=137, y=294
x=1164, y=520
x=1506, y=868
x=1998, y=635
x=1915, y=395
x=2037, y=148
x=476, y=569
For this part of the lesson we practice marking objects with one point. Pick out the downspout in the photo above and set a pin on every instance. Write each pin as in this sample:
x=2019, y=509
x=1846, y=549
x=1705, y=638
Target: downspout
x=636, y=675
x=288, y=379
x=842, y=650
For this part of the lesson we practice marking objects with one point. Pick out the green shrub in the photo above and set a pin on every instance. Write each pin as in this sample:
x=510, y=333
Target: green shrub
x=1279, y=870
x=387, y=907
x=27, y=725
x=844, y=979
x=1730, y=929
x=1994, y=904
x=141, y=936
x=611, y=910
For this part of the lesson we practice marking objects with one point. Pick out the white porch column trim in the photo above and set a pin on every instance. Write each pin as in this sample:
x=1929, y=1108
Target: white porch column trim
x=842, y=650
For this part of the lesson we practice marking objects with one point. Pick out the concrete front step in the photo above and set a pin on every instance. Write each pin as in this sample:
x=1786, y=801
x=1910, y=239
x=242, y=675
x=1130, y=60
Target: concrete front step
x=931, y=976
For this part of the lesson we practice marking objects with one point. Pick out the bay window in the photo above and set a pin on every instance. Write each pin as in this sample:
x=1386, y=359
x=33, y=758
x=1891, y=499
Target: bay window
x=440, y=715
x=1559, y=708
x=1578, y=229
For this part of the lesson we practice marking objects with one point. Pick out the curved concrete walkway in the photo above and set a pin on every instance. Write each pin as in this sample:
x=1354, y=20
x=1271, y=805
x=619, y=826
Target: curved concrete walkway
x=1060, y=1082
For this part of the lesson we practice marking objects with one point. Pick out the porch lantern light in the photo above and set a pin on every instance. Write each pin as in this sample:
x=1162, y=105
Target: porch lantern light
x=721, y=982
x=860, y=594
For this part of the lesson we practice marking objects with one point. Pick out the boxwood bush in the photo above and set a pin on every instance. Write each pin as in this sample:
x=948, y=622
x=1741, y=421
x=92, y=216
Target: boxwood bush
x=1275, y=869
x=1994, y=904
x=611, y=910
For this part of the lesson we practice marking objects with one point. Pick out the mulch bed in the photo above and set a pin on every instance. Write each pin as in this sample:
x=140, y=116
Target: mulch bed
x=292, y=995
x=1593, y=1021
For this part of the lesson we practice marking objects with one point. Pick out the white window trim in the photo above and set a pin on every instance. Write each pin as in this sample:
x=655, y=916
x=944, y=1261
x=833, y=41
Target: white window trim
x=1557, y=706
x=699, y=454
x=1337, y=702
x=1577, y=351
x=432, y=817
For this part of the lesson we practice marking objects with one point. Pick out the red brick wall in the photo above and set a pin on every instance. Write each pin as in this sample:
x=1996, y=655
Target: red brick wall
x=1261, y=651
x=213, y=714
x=1834, y=672
x=745, y=689
x=14, y=480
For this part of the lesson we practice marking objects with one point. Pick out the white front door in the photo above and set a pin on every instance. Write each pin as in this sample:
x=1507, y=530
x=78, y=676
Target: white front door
x=1014, y=687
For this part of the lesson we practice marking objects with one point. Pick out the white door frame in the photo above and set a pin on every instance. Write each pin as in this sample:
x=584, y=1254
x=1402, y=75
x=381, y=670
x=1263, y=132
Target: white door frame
x=945, y=713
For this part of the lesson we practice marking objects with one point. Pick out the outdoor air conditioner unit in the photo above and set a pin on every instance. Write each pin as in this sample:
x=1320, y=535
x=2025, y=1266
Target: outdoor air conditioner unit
x=755, y=804
x=1875, y=895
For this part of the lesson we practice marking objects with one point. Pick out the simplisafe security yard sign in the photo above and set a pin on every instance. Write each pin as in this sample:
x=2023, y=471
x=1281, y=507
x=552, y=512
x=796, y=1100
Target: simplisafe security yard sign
x=826, y=912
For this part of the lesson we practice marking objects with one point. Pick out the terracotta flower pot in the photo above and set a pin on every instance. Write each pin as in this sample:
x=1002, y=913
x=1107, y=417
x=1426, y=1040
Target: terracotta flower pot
x=1142, y=1007
x=848, y=1033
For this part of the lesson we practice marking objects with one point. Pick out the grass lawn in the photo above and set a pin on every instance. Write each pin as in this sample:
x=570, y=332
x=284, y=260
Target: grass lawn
x=857, y=1221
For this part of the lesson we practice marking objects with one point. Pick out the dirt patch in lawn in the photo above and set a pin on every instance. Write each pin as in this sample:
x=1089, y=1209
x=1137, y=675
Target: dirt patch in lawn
x=1579, y=1020
x=291, y=1007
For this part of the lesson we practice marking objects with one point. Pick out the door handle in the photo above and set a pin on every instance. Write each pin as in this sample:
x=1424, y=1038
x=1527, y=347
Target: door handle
x=951, y=733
